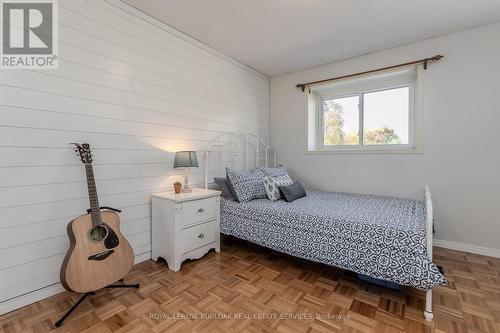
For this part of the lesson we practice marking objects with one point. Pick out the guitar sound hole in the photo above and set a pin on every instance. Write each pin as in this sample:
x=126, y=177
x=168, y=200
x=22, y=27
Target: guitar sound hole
x=98, y=233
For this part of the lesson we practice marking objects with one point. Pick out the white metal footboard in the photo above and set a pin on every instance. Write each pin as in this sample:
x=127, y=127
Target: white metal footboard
x=430, y=219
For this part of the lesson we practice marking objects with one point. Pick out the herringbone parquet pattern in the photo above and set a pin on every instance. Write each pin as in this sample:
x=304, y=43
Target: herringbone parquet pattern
x=246, y=288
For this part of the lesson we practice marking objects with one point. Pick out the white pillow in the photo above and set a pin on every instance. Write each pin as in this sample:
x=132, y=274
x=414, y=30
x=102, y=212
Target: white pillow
x=272, y=185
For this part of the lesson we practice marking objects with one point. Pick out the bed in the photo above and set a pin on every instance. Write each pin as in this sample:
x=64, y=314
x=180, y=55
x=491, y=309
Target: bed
x=382, y=237
x=378, y=236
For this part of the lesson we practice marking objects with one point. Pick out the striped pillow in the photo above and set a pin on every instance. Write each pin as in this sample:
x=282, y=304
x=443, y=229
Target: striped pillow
x=272, y=185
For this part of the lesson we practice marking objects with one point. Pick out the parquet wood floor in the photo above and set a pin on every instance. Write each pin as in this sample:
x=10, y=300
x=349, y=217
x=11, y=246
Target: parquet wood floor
x=250, y=287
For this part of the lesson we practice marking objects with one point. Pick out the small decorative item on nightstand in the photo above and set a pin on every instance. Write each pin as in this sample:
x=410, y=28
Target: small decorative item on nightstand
x=185, y=159
x=185, y=226
x=177, y=187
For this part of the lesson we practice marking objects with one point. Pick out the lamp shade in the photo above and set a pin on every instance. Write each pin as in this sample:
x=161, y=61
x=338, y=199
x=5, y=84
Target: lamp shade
x=185, y=159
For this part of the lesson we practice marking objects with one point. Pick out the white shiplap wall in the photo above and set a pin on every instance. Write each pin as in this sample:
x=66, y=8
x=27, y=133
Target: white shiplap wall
x=137, y=91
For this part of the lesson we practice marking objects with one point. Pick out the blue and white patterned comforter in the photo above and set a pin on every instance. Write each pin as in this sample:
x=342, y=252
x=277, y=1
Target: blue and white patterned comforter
x=382, y=237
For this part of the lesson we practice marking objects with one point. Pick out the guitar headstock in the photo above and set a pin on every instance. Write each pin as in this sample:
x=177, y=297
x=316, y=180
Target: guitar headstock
x=83, y=152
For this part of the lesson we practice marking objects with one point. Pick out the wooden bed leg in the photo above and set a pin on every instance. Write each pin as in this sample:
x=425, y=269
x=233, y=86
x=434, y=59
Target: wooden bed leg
x=428, y=305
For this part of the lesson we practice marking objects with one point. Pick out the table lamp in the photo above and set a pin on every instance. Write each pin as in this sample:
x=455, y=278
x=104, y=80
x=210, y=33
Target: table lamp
x=185, y=159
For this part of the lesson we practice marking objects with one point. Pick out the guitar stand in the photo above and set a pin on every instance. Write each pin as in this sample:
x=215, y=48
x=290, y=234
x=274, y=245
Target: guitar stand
x=112, y=286
x=91, y=293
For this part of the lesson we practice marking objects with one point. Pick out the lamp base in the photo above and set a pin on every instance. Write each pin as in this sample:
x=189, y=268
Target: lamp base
x=186, y=188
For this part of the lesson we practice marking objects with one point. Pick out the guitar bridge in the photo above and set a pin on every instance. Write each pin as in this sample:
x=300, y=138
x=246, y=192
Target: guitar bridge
x=101, y=256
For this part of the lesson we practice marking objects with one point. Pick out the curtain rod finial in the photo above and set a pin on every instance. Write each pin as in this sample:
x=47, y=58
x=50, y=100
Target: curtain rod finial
x=435, y=58
x=301, y=86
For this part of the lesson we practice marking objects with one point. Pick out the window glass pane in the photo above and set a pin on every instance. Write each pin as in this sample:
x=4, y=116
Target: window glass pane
x=386, y=117
x=341, y=121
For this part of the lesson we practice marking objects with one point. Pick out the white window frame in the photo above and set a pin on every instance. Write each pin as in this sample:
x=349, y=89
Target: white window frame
x=414, y=144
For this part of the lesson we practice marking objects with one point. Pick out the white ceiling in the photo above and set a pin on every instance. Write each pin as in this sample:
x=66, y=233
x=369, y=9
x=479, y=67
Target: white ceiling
x=280, y=36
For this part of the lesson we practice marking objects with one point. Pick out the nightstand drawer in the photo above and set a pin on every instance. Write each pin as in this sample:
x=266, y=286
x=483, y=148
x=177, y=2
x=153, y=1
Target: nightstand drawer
x=197, y=236
x=198, y=211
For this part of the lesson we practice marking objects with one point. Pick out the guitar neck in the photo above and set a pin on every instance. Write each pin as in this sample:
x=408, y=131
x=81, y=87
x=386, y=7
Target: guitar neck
x=94, y=201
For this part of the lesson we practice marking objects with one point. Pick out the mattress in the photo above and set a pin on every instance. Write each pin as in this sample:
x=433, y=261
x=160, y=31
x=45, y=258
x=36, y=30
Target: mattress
x=382, y=237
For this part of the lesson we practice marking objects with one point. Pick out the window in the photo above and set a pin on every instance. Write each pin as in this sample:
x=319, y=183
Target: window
x=340, y=121
x=386, y=117
x=369, y=114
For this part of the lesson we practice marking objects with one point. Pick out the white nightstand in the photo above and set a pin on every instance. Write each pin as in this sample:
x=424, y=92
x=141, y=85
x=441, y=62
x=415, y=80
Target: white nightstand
x=185, y=225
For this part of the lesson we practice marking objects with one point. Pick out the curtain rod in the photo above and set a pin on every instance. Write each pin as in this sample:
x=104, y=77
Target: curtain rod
x=425, y=61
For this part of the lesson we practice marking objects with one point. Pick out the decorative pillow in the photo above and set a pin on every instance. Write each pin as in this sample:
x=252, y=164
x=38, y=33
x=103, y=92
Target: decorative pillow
x=275, y=172
x=247, y=185
x=272, y=185
x=224, y=187
x=292, y=192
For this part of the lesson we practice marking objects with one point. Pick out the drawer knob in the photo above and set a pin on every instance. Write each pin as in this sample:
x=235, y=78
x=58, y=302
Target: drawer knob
x=201, y=236
x=201, y=210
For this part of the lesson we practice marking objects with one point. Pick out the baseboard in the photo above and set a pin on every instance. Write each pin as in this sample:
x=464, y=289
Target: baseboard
x=467, y=248
x=30, y=298
x=38, y=295
x=142, y=257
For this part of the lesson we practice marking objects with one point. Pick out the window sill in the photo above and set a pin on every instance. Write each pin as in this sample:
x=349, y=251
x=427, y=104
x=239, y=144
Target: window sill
x=365, y=150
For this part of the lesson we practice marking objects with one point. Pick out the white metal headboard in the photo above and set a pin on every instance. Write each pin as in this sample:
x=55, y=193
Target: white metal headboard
x=255, y=154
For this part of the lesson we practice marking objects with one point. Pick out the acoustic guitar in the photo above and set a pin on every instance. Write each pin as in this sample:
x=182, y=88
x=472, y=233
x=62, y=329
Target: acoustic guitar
x=98, y=255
